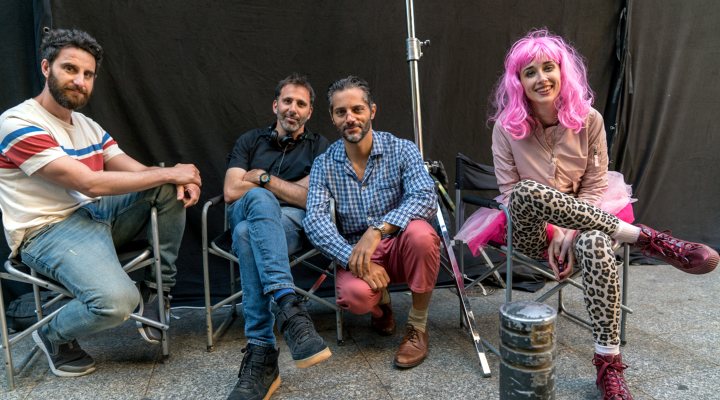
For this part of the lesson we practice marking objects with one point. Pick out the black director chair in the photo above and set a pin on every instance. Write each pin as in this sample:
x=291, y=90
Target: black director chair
x=449, y=262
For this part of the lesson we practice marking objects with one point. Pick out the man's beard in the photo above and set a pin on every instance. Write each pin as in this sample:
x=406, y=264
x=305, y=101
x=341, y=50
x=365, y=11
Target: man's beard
x=58, y=93
x=290, y=127
x=354, y=138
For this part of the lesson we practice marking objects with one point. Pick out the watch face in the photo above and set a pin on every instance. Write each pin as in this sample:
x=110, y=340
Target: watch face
x=264, y=178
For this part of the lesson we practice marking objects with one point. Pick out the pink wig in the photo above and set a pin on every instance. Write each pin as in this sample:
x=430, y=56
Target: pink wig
x=512, y=109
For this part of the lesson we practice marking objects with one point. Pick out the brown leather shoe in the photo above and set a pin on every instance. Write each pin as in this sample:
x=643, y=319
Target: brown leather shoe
x=413, y=349
x=385, y=324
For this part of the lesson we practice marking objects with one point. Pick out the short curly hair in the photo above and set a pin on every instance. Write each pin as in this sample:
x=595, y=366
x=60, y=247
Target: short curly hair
x=58, y=39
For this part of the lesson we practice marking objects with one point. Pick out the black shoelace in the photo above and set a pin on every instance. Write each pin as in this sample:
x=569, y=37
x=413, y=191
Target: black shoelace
x=299, y=327
x=250, y=369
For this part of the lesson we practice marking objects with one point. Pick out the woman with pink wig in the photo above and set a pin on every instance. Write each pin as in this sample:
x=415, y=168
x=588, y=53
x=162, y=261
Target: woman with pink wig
x=551, y=163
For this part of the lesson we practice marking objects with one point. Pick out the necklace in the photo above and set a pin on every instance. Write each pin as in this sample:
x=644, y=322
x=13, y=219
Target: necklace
x=550, y=139
x=549, y=136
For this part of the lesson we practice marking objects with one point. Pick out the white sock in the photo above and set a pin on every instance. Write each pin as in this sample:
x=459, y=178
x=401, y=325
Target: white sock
x=418, y=319
x=611, y=350
x=385, y=299
x=626, y=233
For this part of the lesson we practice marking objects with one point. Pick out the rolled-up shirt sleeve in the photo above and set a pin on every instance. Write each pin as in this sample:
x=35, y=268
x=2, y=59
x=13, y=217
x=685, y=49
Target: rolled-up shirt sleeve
x=419, y=197
x=318, y=223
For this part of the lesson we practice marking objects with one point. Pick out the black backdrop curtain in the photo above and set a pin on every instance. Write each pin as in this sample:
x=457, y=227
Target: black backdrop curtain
x=668, y=143
x=182, y=79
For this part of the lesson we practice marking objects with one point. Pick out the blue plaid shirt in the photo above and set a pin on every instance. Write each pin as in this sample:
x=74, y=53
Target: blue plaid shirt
x=395, y=189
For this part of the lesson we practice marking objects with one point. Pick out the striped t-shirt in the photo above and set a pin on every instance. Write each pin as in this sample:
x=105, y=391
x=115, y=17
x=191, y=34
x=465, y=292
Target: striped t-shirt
x=30, y=138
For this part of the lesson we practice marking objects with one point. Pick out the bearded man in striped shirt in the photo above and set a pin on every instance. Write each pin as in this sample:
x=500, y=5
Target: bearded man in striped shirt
x=69, y=195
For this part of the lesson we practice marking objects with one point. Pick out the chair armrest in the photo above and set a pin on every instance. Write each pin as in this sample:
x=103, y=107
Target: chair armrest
x=219, y=199
x=480, y=201
x=215, y=201
x=212, y=202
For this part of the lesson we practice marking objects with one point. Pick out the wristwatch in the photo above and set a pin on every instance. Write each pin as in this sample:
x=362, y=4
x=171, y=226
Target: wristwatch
x=264, y=179
x=380, y=227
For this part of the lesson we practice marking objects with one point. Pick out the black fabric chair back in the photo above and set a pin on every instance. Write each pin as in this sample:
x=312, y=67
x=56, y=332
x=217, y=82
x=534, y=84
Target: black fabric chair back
x=471, y=175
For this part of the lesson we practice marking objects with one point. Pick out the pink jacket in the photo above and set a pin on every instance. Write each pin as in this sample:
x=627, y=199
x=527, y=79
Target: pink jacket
x=555, y=156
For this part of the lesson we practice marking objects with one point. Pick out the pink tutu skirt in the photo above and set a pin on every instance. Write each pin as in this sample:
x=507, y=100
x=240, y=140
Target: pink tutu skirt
x=488, y=225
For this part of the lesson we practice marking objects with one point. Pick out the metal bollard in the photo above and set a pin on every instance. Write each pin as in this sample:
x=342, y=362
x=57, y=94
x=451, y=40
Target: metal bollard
x=527, y=333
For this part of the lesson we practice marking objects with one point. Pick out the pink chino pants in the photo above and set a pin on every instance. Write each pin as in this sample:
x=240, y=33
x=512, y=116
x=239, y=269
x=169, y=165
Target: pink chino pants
x=413, y=257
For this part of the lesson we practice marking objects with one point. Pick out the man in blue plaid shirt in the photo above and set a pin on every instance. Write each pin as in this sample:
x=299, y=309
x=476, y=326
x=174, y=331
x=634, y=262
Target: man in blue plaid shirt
x=384, y=198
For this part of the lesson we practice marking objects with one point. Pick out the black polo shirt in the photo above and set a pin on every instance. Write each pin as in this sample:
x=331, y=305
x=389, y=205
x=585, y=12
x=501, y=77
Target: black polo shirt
x=255, y=149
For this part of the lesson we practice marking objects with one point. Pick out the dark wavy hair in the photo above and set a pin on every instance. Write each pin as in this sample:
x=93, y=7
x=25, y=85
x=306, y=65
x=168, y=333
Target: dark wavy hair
x=295, y=79
x=349, y=83
x=58, y=39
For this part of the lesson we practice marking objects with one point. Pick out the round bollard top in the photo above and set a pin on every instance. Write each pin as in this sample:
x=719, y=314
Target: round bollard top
x=528, y=312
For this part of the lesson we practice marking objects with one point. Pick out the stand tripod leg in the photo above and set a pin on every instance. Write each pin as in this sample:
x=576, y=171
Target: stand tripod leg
x=464, y=303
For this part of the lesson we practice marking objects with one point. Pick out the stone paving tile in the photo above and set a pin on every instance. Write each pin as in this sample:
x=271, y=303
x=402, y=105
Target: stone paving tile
x=700, y=342
x=672, y=351
x=28, y=378
x=697, y=385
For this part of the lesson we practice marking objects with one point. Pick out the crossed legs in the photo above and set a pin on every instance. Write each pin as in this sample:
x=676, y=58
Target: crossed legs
x=533, y=205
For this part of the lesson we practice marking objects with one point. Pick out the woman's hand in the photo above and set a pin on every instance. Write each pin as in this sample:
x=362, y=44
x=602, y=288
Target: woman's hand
x=560, y=253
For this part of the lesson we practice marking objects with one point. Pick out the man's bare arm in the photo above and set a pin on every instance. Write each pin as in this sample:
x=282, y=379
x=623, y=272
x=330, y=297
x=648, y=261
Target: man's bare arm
x=123, y=162
x=235, y=186
x=188, y=193
x=294, y=193
x=72, y=174
x=238, y=182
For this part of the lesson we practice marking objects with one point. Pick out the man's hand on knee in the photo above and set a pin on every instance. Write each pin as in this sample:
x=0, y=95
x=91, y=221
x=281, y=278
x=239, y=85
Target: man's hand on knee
x=377, y=278
x=361, y=256
x=182, y=174
x=189, y=194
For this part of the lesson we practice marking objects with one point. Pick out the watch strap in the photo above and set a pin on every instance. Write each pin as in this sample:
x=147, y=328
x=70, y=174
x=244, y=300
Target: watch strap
x=380, y=228
x=264, y=179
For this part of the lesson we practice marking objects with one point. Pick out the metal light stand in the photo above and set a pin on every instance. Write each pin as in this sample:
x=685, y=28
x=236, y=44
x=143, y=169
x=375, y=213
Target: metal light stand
x=413, y=55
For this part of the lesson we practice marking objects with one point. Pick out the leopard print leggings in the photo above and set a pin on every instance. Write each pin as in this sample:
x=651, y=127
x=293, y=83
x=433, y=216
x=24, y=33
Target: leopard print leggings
x=532, y=206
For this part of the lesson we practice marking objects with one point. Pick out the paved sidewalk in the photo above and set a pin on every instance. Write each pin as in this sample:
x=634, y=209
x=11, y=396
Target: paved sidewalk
x=673, y=351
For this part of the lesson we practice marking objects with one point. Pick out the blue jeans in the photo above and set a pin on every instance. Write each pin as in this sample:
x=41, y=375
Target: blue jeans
x=263, y=235
x=79, y=252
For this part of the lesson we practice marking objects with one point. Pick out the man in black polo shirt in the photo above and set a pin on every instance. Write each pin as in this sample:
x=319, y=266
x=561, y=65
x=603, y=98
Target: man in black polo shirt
x=266, y=186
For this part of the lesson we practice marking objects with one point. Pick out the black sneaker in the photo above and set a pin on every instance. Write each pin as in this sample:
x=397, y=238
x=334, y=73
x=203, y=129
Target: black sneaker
x=306, y=345
x=259, y=376
x=66, y=359
x=149, y=309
